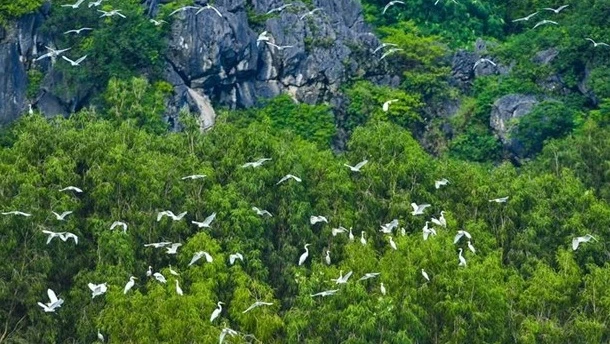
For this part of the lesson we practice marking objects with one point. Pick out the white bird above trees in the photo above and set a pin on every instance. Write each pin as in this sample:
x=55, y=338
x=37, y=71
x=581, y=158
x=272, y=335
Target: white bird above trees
x=97, y=289
x=184, y=8
x=62, y=216
x=545, y=22
x=499, y=200
x=70, y=188
x=74, y=63
x=53, y=303
x=119, y=223
x=206, y=222
x=198, y=256
x=315, y=219
x=338, y=230
x=483, y=60
x=95, y=3
x=173, y=249
x=111, y=13
x=578, y=240
x=388, y=227
x=325, y=293
x=171, y=215
x=368, y=275
x=526, y=18
x=233, y=257
x=304, y=256
x=208, y=7
x=51, y=235
x=439, y=183
x=418, y=209
x=52, y=53
x=129, y=284
x=279, y=9
x=386, y=105
x=17, y=212
x=342, y=279
x=391, y=3
x=261, y=212
x=357, y=167
x=390, y=52
x=279, y=47
x=74, y=5
x=383, y=45
x=194, y=176
x=556, y=10
x=255, y=164
x=459, y=236
x=64, y=236
x=216, y=312
x=257, y=304
x=157, y=22
x=78, y=31
x=158, y=244
x=289, y=176
x=310, y=13
x=595, y=44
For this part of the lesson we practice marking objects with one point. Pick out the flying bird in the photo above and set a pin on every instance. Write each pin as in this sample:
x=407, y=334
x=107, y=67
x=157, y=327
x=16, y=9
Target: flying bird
x=206, y=222
x=194, y=176
x=595, y=44
x=483, y=60
x=226, y=331
x=119, y=223
x=233, y=257
x=262, y=37
x=304, y=256
x=17, y=212
x=310, y=13
x=208, y=7
x=369, y=275
x=279, y=9
x=439, y=183
x=289, y=176
x=386, y=105
x=198, y=256
x=111, y=13
x=338, y=230
x=97, y=289
x=544, y=22
x=418, y=209
x=62, y=216
x=173, y=249
x=279, y=47
x=53, y=303
x=159, y=277
x=158, y=244
x=556, y=10
x=95, y=3
x=74, y=5
x=358, y=166
x=525, y=18
x=170, y=214
x=257, y=304
x=499, y=200
x=74, y=63
x=325, y=293
x=383, y=45
x=315, y=219
x=388, y=227
x=129, y=284
x=392, y=3
x=78, y=31
x=184, y=8
x=342, y=279
x=576, y=241
x=459, y=236
x=52, y=53
x=255, y=164
x=389, y=52
x=216, y=312
x=71, y=188
x=261, y=212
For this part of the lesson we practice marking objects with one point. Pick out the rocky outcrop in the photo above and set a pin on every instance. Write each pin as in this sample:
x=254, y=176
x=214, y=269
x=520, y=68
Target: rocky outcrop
x=505, y=112
x=467, y=65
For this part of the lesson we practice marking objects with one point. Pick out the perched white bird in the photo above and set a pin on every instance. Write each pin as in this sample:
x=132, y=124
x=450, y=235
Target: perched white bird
x=198, y=256
x=289, y=176
x=158, y=244
x=310, y=13
x=261, y=212
x=149, y=272
x=206, y=222
x=382, y=288
x=459, y=236
x=389, y=52
x=100, y=336
x=427, y=231
x=235, y=256
x=255, y=164
x=52, y=53
x=74, y=5
x=526, y=18
x=226, y=331
x=78, y=31
x=71, y=188
x=461, y=258
x=357, y=167
x=16, y=212
x=351, y=235
x=279, y=9
x=194, y=176
x=111, y=13
x=556, y=10
x=119, y=223
x=178, y=289
x=440, y=221
x=95, y=3
x=208, y=7
x=544, y=22
x=173, y=249
x=471, y=248
x=482, y=60
x=386, y=105
x=425, y=274
x=499, y=200
x=418, y=209
x=173, y=272
x=391, y=3
x=362, y=239
x=315, y=219
x=439, y=183
x=388, y=227
x=159, y=277
x=342, y=279
x=216, y=312
x=53, y=303
x=325, y=293
x=257, y=304
x=338, y=230
x=62, y=216
x=183, y=8
x=129, y=284
x=304, y=256
x=595, y=44
x=393, y=244
x=327, y=257
x=383, y=45
x=369, y=275
x=74, y=63
x=576, y=241
x=97, y=289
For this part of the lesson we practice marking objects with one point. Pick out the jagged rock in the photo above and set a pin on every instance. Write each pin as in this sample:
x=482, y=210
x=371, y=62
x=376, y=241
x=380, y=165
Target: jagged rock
x=504, y=113
x=545, y=57
x=462, y=74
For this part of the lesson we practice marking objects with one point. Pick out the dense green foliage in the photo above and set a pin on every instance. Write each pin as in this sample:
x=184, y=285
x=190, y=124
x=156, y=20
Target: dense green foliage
x=10, y=9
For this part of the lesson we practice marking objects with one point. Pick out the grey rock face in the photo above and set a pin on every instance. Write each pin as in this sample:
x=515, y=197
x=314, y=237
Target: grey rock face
x=504, y=113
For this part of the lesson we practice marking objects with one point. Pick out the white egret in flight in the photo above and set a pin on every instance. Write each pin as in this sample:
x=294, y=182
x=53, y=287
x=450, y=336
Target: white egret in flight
x=74, y=63
x=97, y=289
x=16, y=212
x=198, y=256
x=499, y=200
x=216, y=312
x=158, y=244
x=173, y=249
x=279, y=47
x=595, y=44
x=418, y=209
x=386, y=105
x=233, y=257
x=389, y=52
x=279, y=9
x=526, y=18
x=208, y=7
x=257, y=304
x=461, y=258
x=545, y=22
x=304, y=256
x=482, y=60
x=62, y=216
x=261, y=212
x=325, y=293
x=556, y=10
x=95, y=3
x=71, y=188
x=170, y=214
x=119, y=223
x=383, y=45
x=52, y=53
x=369, y=275
x=255, y=164
x=391, y=3
x=439, y=183
x=289, y=176
x=206, y=222
x=342, y=279
x=193, y=177
x=315, y=219
x=129, y=284
x=459, y=236
x=78, y=31
x=183, y=8
x=338, y=230
x=576, y=241
x=310, y=13
x=159, y=277
x=388, y=227
x=357, y=167
x=53, y=303
x=157, y=22
x=74, y=5
x=111, y=13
